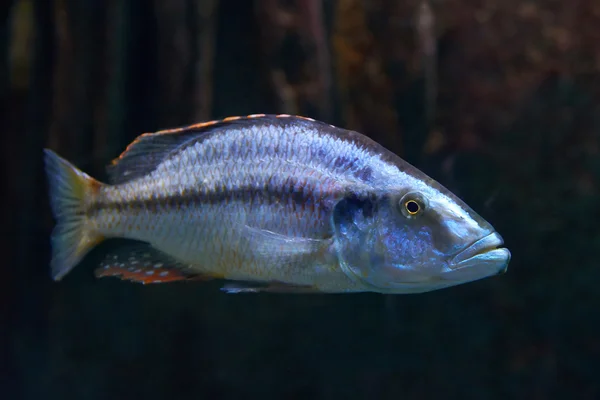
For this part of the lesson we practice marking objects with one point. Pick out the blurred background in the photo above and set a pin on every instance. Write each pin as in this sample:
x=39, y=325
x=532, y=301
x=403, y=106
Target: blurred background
x=498, y=100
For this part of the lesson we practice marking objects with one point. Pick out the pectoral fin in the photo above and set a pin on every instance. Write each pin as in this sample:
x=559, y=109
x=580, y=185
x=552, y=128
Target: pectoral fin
x=270, y=287
x=279, y=248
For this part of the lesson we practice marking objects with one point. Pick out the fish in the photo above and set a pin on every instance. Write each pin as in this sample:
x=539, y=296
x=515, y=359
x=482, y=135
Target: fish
x=269, y=203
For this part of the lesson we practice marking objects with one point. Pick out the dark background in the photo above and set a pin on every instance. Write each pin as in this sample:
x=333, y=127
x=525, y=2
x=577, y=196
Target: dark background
x=498, y=100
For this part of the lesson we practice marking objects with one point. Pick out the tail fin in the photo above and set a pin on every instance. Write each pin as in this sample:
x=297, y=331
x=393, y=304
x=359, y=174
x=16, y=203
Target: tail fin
x=72, y=237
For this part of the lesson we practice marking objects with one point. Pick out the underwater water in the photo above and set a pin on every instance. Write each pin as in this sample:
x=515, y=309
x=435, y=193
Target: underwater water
x=513, y=129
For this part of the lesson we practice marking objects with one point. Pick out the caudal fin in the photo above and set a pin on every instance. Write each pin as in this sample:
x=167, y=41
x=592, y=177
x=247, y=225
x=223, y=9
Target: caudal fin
x=72, y=237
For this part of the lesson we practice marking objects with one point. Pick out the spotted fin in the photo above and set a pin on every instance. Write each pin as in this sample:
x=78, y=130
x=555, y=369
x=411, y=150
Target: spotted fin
x=270, y=287
x=144, y=264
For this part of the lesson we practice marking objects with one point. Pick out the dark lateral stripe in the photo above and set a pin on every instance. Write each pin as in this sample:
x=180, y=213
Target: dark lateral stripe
x=299, y=194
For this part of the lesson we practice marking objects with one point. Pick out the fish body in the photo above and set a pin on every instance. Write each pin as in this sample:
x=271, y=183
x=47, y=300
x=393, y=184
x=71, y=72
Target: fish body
x=270, y=203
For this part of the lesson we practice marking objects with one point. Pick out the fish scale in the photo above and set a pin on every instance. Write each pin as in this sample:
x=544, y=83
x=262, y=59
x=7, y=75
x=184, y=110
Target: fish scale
x=286, y=202
x=226, y=175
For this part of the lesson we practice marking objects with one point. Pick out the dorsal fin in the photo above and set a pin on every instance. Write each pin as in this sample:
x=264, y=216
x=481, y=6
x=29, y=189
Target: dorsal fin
x=148, y=150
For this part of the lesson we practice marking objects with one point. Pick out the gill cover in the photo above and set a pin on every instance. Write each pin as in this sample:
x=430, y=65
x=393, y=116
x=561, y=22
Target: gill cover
x=354, y=223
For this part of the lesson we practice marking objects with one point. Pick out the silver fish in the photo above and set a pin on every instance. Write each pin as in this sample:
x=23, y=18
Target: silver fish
x=273, y=203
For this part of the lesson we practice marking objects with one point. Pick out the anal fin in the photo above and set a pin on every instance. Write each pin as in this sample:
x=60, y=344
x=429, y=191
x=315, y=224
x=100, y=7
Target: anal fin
x=143, y=275
x=144, y=264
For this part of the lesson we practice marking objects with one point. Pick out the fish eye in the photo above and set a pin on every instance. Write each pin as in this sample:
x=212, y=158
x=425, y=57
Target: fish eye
x=412, y=205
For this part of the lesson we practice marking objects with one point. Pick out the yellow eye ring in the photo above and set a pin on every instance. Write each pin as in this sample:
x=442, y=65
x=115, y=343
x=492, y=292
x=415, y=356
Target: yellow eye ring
x=412, y=207
x=412, y=204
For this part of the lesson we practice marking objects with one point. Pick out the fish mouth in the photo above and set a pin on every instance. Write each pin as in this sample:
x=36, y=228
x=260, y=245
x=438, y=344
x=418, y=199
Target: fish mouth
x=485, y=254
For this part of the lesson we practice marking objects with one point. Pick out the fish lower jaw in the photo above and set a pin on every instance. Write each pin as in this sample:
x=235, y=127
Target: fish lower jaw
x=487, y=244
x=499, y=256
x=484, y=264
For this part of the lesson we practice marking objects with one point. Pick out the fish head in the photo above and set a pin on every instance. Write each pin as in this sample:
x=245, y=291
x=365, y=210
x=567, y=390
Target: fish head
x=415, y=239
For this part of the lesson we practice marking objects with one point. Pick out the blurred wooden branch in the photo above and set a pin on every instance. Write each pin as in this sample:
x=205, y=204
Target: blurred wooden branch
x=28, y=276
x=39, y=114
x=316, y=39
x=79, y=94
x=204, y=31
x=174, y=59
x=428, y=49
x=186, y=40
x=362, y=57
x=300, y=78
x=118, y=58
x=276, y=23
x=8, y=289
x=5, y=8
